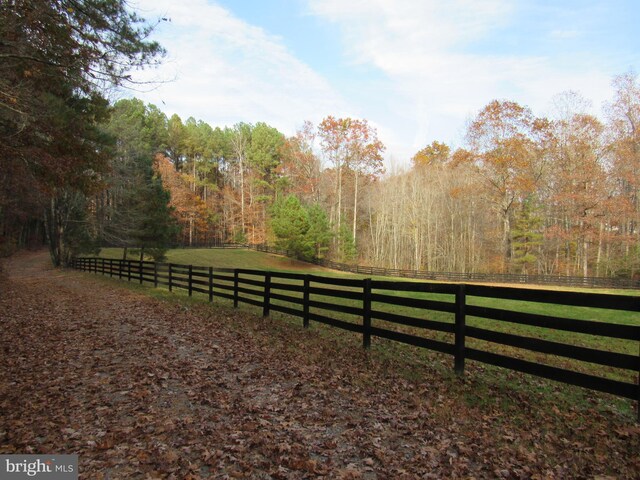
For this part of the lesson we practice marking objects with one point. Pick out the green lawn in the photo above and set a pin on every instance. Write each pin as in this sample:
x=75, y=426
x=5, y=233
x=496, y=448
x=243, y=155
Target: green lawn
x=227, y=258
x=249, y=259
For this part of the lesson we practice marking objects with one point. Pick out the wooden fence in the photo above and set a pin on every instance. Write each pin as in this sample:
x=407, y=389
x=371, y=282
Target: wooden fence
x=507, y=278
x=378, y=308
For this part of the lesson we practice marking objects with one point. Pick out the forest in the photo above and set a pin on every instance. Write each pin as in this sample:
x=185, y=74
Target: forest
x=524, y=194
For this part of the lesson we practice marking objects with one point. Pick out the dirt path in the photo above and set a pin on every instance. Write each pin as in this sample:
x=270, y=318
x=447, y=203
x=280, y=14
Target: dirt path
x=145, y=388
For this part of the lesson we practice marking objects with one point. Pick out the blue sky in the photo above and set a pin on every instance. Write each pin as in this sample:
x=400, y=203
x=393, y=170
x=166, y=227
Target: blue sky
x=417, y=70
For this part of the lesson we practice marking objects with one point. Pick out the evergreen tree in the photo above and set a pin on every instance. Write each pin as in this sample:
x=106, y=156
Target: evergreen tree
x=527, y=236
x=319, y=234
x=290, y=224
x=347, y=245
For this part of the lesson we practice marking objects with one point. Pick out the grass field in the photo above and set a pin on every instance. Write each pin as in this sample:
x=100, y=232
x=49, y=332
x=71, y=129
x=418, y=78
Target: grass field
x=228, y=258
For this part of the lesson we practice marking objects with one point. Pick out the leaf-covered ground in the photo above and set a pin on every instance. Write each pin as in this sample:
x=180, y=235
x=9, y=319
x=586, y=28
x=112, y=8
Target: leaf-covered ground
x=147, y=388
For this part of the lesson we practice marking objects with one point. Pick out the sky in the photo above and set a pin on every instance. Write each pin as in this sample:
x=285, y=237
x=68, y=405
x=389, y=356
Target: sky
x=416, y=70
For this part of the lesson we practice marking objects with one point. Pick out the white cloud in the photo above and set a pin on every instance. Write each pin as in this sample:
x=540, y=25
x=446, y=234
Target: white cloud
x=428, y=51
x=414, y=69
x=227, y=70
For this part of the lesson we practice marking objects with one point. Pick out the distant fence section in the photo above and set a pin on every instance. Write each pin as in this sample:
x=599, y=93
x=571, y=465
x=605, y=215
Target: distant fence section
x=569, y=281
x=427, y=315
x=508, y=278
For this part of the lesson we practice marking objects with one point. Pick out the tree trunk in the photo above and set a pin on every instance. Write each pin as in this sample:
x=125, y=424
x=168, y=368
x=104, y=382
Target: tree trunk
x=355, y=207
x=53, y=233
x=339, y=197
x=242, y=194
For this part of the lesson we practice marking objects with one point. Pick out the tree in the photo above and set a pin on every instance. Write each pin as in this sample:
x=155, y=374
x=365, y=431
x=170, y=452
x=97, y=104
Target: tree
x=133, y=210
x=578, y=187
x=176, y=141
x=186, y=207
x=623, y=115
x=351, y=146
x=240, y=138
x=56, y=58
x=527, y=235
x=436, y=152
x=301, y=167
x=67, y=226
x=290, y=224
x=264, y=158
x=506, y=143
x=319, y=234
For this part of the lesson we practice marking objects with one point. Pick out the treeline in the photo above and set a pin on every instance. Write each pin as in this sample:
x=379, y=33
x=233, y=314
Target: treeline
x=555, y=195
x=527, y=194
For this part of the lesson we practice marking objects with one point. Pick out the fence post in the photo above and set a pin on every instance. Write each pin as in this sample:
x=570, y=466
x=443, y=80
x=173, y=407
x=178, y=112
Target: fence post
x=210, y=284
x=120, y=263
x=155, y=274
x=190, y=279
x=267, y=294
x=305, y=302
x=170, y=278
x=366, y=313
x=461, y=295
x=140, y=271
x=235, y=288
x=129, y=270
x=103, y=269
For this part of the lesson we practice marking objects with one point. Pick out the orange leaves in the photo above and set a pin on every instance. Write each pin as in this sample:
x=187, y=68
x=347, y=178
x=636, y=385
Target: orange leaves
x=435, y=153
x=351, y=143
x=190, y=211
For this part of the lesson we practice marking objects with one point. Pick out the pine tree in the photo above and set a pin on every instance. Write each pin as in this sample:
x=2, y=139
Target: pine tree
x=527, y=236
x=290, y=225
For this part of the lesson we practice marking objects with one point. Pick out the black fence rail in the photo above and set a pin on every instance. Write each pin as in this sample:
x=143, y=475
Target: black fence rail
x=439, y=317
x=506, y=278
